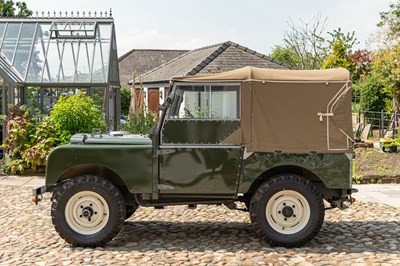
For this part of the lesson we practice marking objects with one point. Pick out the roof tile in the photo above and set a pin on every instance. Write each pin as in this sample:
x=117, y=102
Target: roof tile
x=210, y=59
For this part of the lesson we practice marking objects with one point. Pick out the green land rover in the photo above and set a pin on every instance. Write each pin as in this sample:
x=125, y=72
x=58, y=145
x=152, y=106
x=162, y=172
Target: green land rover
x=279, y=141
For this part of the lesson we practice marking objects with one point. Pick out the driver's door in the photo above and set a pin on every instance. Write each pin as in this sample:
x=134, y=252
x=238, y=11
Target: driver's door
x=192, y=158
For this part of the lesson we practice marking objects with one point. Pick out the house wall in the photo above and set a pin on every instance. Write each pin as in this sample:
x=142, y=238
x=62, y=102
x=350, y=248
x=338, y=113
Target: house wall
x=153, y=96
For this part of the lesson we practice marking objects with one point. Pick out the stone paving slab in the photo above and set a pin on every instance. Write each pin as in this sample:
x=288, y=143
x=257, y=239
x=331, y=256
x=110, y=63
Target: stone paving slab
x=381, y=193
x=26, y=181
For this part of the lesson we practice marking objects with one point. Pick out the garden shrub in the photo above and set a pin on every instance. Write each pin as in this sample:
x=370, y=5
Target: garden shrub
x=76, y=114
x=19, y=127
x=125, y=100
x=141, y=122
x=28, y=142
x=45, y=137
x=372, y=95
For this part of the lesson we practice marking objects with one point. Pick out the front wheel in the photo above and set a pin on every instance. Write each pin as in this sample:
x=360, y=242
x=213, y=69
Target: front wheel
x=287, y=211
x=87, y=211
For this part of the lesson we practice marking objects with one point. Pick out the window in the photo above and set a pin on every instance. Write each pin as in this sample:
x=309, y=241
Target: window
x=73, y=30
x=206, y=102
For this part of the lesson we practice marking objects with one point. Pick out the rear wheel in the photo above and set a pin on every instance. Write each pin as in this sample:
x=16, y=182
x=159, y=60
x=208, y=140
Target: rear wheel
x=287, y=211
x=87, y=211
x=130, y=210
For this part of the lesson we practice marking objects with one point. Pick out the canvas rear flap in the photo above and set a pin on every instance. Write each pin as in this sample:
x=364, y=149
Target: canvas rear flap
x=286, y=117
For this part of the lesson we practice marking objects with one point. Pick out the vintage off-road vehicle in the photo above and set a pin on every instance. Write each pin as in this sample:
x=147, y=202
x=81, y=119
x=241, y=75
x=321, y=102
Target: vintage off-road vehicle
x=279, y=141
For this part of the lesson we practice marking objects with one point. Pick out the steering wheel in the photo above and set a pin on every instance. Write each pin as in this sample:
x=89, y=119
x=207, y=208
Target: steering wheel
x=188, y=113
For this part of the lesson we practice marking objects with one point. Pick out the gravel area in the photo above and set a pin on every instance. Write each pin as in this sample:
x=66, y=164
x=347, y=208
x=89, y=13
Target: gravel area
x=364, y=234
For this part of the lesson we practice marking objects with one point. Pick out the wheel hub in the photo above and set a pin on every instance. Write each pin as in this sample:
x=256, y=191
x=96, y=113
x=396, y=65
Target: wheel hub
x=287, y=211
x=87, y=212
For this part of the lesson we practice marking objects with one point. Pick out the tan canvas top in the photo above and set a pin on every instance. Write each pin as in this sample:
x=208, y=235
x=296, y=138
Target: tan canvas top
x=254, y=73
x=292, y=111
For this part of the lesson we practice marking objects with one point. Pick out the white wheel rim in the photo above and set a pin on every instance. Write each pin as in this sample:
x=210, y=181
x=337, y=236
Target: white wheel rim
x=288, y=212
x=87, y=212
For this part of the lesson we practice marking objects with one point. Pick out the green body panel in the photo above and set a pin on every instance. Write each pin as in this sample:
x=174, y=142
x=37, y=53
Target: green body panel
x=334, y=170
x=190, y=131
x=132, y=163
x=201, y=170
x=195, y=162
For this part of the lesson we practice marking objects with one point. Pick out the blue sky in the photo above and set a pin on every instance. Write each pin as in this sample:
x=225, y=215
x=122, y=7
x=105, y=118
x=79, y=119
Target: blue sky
x=189, y=24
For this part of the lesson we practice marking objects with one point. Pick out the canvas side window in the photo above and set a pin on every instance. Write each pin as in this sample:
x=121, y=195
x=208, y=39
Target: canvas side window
x=206, y=102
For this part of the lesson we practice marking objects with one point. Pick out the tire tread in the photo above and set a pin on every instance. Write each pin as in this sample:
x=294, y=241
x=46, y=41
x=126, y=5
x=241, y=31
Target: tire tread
x=112, y=190
x=290, y=179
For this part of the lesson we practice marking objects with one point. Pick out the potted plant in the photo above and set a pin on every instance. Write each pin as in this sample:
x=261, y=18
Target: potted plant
x=390, y=147
x=385, y=143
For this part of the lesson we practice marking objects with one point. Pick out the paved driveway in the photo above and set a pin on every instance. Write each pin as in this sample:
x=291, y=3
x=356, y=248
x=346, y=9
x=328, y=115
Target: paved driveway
x=366, y=233
x=383, y=193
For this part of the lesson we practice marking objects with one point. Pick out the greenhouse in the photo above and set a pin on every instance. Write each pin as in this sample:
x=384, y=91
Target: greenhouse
x=42, y=58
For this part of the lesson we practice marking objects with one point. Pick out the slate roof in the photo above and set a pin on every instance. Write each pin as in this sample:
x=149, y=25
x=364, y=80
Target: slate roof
x=143, y=60
x=211, y=59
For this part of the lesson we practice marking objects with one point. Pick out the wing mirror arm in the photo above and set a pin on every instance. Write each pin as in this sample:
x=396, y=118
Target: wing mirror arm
x=161, y=107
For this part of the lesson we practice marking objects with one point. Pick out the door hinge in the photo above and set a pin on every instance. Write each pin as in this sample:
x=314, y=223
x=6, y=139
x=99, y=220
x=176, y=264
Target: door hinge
x=164, y=152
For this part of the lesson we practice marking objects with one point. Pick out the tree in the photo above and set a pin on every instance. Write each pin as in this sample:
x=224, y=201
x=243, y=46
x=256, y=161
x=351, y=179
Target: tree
x=339, y=57
x=348, y=40
x=362, y=63
x=390, y=22
x=372, y=95
x=284, y=55
x=386, y=68
x=305, y=47
x=10, y=9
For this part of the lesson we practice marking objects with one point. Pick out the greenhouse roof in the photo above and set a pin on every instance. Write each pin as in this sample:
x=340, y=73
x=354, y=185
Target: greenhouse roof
x=59, y=51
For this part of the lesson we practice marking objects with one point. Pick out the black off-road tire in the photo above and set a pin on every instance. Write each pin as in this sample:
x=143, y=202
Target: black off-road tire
x=103, y=195
x=130, y=210
x=278, y=199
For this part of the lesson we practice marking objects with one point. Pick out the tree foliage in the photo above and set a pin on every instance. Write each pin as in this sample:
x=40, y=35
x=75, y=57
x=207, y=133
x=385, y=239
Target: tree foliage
x=341, y=45
x=390, y=22
x=348, y=39
x=372, y=95
x=125, y=100
x=77, y=114
x=339, y=57
x=362, y=63
x=10, y=9
x=284, y=55
x=386, y=68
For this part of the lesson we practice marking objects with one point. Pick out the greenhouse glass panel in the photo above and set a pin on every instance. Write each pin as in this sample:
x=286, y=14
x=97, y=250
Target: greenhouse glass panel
x=24, y=48
x=2, y=28
x=68, y=63
x=10, y=40
x=69, y=51
x=84, y=62
x=101, y=55
x=37, y=60
x=53, y=61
